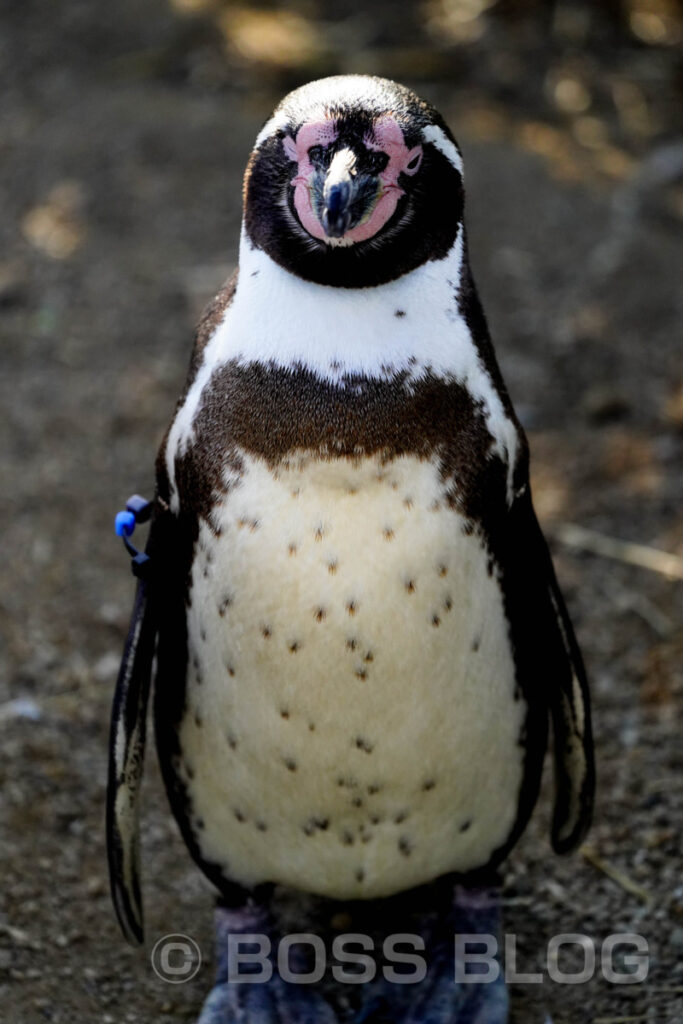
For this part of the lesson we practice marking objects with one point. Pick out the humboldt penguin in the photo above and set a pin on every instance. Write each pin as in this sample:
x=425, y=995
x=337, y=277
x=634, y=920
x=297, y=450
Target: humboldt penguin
x=359, y=636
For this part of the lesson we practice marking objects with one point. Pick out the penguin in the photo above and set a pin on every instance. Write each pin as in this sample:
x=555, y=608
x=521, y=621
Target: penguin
x=359, y=636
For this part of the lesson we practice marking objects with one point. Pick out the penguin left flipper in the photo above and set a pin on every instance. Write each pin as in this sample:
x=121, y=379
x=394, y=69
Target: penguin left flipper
x=126, y=761
x=553, y=658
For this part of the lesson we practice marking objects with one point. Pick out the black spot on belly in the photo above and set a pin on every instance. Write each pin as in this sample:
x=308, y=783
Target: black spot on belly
x=352, y=643
x=405, y=846
x=239, y=815
x=351, y=607
x=261, y=826
x=436, y=621
x=266, y=632
x=476, y=644
x=291, y=548
x=400, y=817
x=465, y=825
x=400, y=312
x=224, y=604
x=347, y=838
x=428, y=784
x=320, y=614
x=357, y=801
x=290, y=764
x=442, y=570
x=332, y=567
x=231, y=670
x=197, y=719
x=284, y=714
x=346, y=780
x=375, y=819
x=410, y=586
x=232, y=741
x=448, y=603
x=311, y=726
x=316, y=824
x=361, y=673
x=388, y=533
x=294, y=646
x=364, y=745
x=374, y=788
x=360, y=875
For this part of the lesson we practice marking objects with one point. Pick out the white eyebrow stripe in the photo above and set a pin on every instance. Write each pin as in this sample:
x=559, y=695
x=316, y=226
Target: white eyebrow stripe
x=275, y=123
x=437, y=136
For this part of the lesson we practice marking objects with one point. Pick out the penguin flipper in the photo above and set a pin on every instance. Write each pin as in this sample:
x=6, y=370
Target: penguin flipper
x=569, y=703
x=573, y=739
x=126, y=759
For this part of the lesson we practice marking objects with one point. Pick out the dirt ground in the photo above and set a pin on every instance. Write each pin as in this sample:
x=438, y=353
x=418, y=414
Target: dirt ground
x=124, y=130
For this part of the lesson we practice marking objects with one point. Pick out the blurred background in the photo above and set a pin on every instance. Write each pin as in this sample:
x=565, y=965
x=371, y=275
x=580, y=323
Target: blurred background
x=124, y=131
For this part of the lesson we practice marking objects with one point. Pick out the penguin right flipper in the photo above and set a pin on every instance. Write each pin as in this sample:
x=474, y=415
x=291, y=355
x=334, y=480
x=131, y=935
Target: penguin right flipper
x=555, y=647
x=126, y=760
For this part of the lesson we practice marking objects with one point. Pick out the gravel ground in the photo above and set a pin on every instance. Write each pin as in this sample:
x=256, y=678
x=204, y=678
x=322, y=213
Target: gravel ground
x=123, y=138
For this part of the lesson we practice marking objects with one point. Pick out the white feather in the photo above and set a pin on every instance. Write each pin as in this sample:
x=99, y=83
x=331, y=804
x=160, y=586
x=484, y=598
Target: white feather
x=364, y=639
x=280, y=319
x=437, y=137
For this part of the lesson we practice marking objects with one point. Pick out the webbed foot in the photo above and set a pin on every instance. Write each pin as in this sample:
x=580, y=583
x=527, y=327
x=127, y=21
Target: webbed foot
x=447, y=995
x=266, y=998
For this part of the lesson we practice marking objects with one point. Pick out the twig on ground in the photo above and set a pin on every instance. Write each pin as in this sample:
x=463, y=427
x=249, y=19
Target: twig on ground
x=621, y=551
x=594, y=858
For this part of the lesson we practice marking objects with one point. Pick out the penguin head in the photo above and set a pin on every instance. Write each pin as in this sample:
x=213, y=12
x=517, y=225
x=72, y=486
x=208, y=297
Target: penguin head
x=353, y=182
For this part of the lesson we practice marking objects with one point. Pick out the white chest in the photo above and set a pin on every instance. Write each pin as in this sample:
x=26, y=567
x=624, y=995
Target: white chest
x=351, y=727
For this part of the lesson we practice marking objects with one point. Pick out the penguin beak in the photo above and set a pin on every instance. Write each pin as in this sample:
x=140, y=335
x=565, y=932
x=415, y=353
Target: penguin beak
x=347, y=196
x=336, y=216
x=337, y=194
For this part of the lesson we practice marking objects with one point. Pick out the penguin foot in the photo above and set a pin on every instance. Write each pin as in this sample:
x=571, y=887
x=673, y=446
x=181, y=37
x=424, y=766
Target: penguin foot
x=250, y=990
x=272, y=1002
x=454, y=991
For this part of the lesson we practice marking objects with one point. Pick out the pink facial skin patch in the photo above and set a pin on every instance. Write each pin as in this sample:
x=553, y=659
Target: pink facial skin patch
x=386, y=137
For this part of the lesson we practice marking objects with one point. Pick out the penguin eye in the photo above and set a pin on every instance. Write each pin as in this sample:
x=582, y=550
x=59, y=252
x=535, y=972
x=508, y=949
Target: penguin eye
x=316, y=155
x=414, y=163
x=376, y=162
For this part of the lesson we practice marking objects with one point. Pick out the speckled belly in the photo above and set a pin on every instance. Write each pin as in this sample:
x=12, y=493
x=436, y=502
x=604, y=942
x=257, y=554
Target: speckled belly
x=351, y=725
